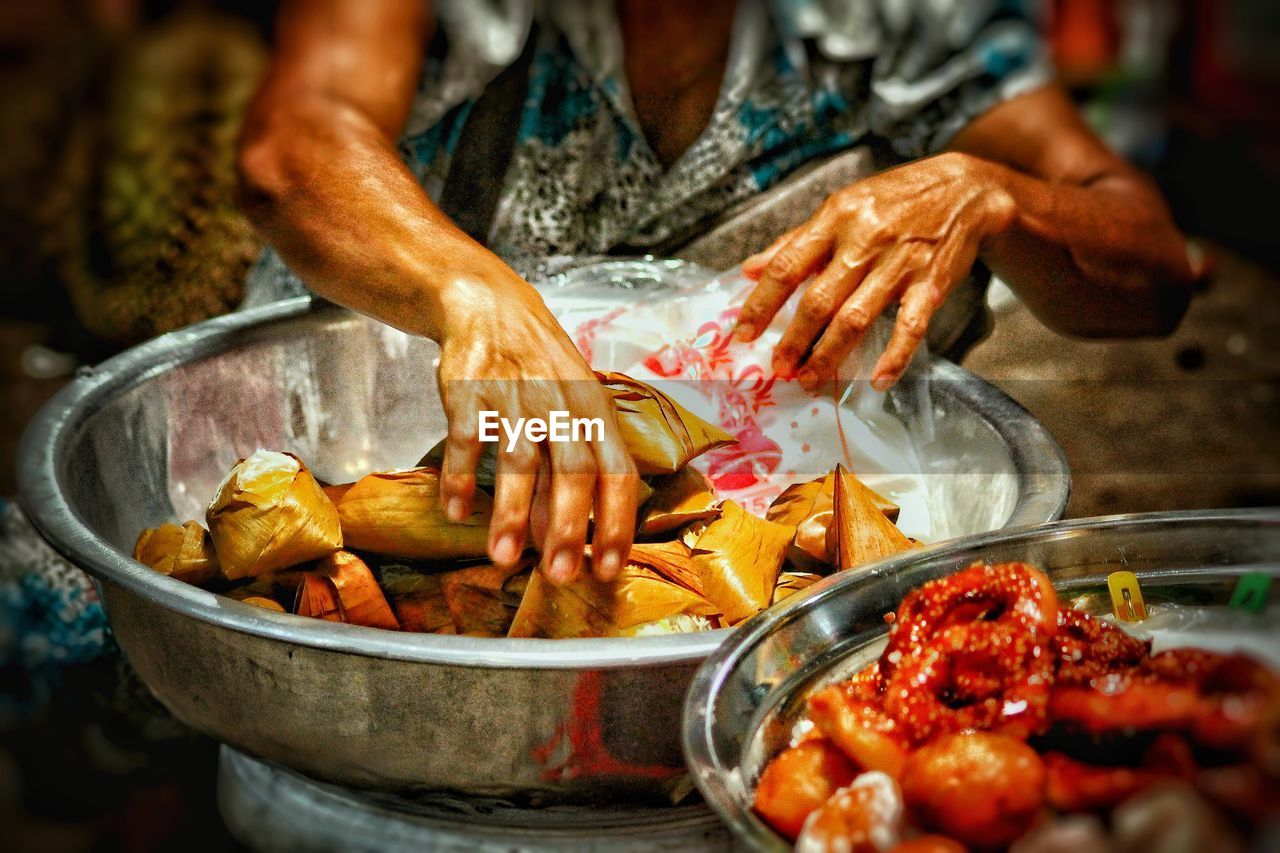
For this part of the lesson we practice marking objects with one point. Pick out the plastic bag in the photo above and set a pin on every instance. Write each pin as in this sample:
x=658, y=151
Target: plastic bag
x=670, y=324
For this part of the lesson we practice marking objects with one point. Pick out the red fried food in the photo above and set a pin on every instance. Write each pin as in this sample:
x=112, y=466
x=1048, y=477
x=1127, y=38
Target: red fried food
x=1007, y=592
x=798, y=781
x=984, y=675
x=982, y=789
x=1123, y=702
x=858, y=725
x=1088, y=648
x=1221, y=700
x=1235, y=693
x=865, y=817
x=1077, y=786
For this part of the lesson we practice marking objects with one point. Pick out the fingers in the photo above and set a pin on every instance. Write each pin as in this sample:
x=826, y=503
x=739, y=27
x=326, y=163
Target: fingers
x=850, y=323
x=801, y=256
x=918, y=305
x=820, y=302
x=573, y=487
x=615, y=508
x=461, y=454
x=513, y=500
x=754, y=265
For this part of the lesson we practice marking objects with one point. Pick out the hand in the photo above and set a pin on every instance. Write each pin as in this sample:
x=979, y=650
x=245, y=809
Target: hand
x=907, y=235
x=501, y=350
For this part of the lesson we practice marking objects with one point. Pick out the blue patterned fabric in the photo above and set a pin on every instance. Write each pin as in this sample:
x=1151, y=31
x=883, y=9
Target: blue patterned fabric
x=803, y=80
x=50, y=618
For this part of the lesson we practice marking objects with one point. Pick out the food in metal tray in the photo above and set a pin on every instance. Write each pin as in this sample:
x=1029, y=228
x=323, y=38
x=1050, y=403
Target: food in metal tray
x=380, y=552
x=995, y=713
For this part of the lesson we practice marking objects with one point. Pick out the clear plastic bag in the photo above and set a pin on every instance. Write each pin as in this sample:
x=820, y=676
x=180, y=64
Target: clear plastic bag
x=670, y=324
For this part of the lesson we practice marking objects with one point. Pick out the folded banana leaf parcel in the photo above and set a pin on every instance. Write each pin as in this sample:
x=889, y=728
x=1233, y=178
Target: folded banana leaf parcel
x=380, y=553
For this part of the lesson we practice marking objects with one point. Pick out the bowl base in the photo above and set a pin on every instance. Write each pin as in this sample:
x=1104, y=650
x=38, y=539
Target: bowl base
x=267, y=807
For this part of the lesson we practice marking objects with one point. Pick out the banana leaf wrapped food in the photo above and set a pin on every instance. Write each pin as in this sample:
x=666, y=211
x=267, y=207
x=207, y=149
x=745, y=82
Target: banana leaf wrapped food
x=859, y=532
x=257, y=597
x=738, y=557
x=789, y=583
x=655, y=593
x=342, y=588
x=184, y=553
x=417, y=598
x=482, y=600
x=276, y=591
x=661, y=435
x=479, y=600
x=809, y=508
x=270, y=513
x=397, y=513
x=677, y=500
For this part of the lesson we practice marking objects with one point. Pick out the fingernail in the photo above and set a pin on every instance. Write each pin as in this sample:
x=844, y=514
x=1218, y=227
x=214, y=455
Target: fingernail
x=882, y=383
x=454, y=510
x=744, y=332
x=505, y=550
x=808, y=379
x=609, y=566
x=561, y=568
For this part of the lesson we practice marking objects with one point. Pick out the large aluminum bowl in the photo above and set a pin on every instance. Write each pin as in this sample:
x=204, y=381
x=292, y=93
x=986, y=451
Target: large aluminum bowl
x=146, y=437
x=747, y=696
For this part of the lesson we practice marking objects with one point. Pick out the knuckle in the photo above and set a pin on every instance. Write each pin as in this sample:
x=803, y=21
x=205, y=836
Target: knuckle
x=567, y=531
x=913, y=325
x=853, y=320
x=813, y=308
x=522, y=457
x=576, y=465
x=463, y=431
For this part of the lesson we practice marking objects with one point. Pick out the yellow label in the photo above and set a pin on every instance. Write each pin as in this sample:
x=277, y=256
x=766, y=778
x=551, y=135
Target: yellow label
x=1126, y=597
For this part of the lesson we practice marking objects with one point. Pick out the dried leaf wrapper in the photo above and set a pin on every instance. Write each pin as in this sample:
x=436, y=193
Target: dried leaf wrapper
x=860, y=533
x=678, y=499
x=810, y=508
x=789, y=583
x=359, y=596
x=398, y=513
x=740, y=560
x=269, y=514
x=417, y=598
x=184, y=553
x=592, y=608
x=479, y=598
x=661, y=435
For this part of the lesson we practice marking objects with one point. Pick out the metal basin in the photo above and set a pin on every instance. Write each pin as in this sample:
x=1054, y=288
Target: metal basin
x=146, y=437
x=747, y=696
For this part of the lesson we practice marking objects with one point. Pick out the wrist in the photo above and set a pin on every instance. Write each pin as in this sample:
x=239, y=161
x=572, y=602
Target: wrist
x=461, y=299
x=992, y=184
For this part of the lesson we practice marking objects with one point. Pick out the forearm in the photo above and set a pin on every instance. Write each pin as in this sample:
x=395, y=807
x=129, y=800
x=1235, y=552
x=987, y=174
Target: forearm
x=327, y=188
x=1095, y=260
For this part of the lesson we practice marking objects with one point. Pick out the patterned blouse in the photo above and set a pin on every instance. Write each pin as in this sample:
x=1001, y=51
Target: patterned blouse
x=804, y=79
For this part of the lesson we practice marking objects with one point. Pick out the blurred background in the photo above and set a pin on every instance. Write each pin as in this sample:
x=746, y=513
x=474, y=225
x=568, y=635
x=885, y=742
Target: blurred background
x=118, y=120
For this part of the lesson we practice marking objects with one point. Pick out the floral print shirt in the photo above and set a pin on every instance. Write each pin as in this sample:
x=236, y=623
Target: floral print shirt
x=804, y=79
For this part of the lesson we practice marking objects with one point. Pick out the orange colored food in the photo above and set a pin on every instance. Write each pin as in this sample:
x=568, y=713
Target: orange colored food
x=800, y=780
x=982, y=789
x=993, y=708
x=865, y=817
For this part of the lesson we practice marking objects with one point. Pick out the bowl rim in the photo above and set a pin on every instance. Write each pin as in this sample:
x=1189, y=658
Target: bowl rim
x=1037, y=457
x=706, y=768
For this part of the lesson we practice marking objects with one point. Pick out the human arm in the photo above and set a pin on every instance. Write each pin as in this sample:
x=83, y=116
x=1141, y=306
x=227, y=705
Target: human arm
x=323, y=181
x=1083, y=239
